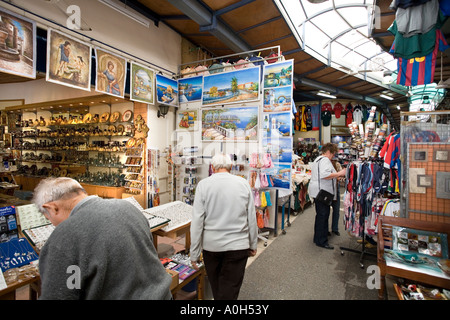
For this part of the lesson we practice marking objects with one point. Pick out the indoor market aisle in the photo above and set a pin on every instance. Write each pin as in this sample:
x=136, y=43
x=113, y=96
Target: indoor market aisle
x=293, y=267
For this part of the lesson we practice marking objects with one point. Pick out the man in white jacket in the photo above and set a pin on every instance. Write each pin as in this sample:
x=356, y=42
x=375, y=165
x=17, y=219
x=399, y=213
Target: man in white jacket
x=224, y=227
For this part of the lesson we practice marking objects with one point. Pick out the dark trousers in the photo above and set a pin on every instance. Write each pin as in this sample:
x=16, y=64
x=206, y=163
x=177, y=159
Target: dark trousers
x=321, y=224
x=225, y=272
x=335, y=216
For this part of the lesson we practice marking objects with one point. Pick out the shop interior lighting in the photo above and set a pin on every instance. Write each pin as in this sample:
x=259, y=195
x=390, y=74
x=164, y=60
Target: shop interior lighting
x=386, y=97
x=163, y=110
x=398, y=107
x=325, y=94
x=126, y=11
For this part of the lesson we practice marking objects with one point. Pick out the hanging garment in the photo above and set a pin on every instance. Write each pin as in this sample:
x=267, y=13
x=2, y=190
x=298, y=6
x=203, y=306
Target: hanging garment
x=357, y=116
x=337, y=109
x=419, y=71
x=263, y=199
x=326, y=118
x=417, y=19
x=308, y=118
x=418, y=45
x=315, y=117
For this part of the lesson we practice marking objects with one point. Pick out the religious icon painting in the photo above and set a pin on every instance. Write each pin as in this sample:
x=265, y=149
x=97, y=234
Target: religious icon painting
x=142, y=87
x=17, y=45
x=111, y=73
x=68, y=61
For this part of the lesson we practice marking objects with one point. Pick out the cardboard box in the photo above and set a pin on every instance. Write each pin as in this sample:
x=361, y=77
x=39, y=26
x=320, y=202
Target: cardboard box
x=174, y=276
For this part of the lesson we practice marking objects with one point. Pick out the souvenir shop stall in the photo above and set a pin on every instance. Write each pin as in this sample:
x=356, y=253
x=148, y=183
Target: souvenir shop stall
x=319, y=122
x=395, y=200
x=414, y=247
x=372, y=185
x=240, y=105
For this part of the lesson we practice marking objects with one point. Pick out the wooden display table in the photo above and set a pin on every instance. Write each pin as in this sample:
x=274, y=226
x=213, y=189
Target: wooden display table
x=402, y=270
x=34, y=282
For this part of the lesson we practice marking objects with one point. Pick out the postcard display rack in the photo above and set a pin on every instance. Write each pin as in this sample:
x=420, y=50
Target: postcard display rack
x=425, y=176
x=241, y=109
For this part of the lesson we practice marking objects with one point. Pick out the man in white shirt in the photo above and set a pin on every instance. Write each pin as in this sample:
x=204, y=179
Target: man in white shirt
x=224, y=226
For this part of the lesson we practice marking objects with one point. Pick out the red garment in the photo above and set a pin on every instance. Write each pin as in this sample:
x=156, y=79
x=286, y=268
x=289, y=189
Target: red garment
x=338, y=109
x=327, y=107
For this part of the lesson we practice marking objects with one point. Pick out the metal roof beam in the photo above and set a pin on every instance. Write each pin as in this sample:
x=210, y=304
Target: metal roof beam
x=201, y=15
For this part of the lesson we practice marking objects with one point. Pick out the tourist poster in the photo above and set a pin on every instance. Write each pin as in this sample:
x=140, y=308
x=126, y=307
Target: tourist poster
x=17, y=45
x=68, y=61
x=190, y=89
x=142, y=84
x=231, y=87
x=276, y=125
x=111, y=73
x=166, y=90
x=280, y=149
x=278, y=74
x=232, y=124
x=278, y=99
x=280, y=175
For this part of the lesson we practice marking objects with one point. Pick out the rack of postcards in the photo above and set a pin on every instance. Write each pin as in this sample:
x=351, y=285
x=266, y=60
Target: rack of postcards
x=187, y=177
x=134, y=177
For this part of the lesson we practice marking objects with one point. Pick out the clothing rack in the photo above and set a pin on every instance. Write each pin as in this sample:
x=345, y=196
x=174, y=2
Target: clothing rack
x=363, y=251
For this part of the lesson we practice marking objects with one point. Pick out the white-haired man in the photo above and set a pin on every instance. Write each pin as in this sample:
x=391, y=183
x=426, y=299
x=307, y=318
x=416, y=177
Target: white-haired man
x=100, y=248
x=224, y=227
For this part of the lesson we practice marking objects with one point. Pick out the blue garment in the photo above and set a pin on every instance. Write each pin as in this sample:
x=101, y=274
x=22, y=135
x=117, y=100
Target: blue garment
x=315, y=117
x=407, y=3
x=445, y=7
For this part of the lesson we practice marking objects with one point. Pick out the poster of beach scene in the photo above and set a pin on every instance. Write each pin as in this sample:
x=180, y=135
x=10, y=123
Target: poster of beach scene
x=278, y=99
x=166, y=90
x=278, y=74
x=190, y=89
x=234, y=124
x=280, y=149
x=279, y=175
x=231, y=87
x=142, y=83
x=276, y=125
x=17, y=45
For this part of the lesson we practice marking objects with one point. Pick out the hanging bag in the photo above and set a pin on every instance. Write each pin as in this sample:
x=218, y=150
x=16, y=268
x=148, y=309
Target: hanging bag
x=264, y=182
x=324, y=196
x=259, y=219
x=269, y=202
x=263, y=200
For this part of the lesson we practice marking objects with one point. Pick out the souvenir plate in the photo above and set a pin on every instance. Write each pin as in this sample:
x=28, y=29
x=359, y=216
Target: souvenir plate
x=114, y=117
x=131, y=143
x=104, y=118
x=112, y=128
x=127, y=115
x=120, y=128
x=87, y=118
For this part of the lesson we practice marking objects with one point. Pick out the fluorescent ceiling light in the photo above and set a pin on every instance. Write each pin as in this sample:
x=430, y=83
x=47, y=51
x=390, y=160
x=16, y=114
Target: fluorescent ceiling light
x=398, y=107
x=126, y=11
x=326, y=94
x=386, y=97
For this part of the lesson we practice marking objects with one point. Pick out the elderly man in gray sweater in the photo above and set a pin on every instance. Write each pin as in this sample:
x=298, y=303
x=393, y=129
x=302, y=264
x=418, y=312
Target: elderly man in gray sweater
x=100, y=249
x=224, y=226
